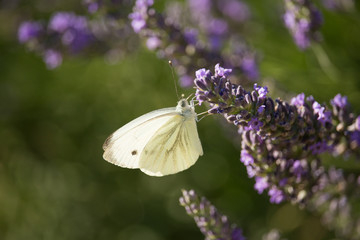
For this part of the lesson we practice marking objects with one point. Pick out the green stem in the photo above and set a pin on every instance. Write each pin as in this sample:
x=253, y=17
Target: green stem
x=326, y=65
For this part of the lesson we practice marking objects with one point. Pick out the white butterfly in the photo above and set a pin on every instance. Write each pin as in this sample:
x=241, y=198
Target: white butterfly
x=161, y=142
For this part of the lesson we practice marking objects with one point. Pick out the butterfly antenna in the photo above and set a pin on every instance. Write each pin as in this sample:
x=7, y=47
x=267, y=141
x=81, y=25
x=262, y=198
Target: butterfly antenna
x=190, y=97
x=173, y=75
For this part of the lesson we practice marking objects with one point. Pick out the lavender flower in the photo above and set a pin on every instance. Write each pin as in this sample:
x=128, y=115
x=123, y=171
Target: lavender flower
x=249, y=66
x=246, y=158
x=211, y=223
x=303, y=20
x=282, y=143
x=357, y=123
x=52, y=58
x=261, y=184
x=236, y=10
x=269, y=127
x=92, y=5
x=262, y=91
x=153, y=43
x=339, y=101
x=139, y=15
x=108, y=32
x=336, y=198
x=255, y=124
x=276, y=195
x=29, y=30
x=222, y=72
x=319, y=147
x=299, y=100
x=199, y=39
x=74, y=30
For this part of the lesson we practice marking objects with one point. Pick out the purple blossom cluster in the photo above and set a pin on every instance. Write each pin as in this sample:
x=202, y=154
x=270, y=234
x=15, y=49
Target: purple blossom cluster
x=106, y=31
x=139, y=15
x=65, y=31
x=29, y=31
x=210, y=221
x=193, y=36
x=336, y=199
x=281, y=143
x=303, y=20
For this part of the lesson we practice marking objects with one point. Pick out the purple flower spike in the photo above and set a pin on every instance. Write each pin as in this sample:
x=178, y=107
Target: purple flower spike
x=303, y=20
x=52, y=59
x=318, y=109
x=222, y=72
x=61, y=21
x=299, y=100
x=261, y=184
x=138, y=22
x=72, y=29
x=191, y=35
x=28, y=31
x=357, y=123
x=200, y=74
x=246, y=158
x=139, y=15
x=250, y=171
x=255, y=124
x=144, y=3
x=236, y=10
x=261, y=109
x=355, y=138
x=319, y=147
x=249, y=66
x=339, y=101
x=211, y=222
x=276, y=195
x=262, y=91
x=153, y=43
x=237, y=234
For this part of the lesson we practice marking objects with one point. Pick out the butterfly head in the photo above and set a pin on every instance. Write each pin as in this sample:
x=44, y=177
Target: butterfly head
x=185, y=109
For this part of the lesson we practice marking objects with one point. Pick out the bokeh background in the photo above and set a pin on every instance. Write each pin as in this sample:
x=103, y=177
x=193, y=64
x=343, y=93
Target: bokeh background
x=54, y=183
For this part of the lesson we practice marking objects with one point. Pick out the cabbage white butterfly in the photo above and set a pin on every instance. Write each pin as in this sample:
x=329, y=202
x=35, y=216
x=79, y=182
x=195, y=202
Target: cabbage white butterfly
x=159, y=143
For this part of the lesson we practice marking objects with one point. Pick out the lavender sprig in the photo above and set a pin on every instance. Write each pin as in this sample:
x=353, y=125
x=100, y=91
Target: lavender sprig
x=184, y=44
x=211, y=223
x=282, y=143
x=303, y=20
x=336, y=199
x=65, y=32
x=106, y=31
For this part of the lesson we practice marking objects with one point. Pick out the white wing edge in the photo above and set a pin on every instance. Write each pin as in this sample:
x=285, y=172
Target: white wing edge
x=124, y=147
x=136, y=122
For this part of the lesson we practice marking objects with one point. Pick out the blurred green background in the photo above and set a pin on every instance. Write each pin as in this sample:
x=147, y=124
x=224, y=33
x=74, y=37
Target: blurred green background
x=54, y=183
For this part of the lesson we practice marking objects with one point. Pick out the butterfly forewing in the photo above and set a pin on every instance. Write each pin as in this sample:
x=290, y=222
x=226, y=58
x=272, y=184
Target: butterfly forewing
x=125, y=146
x=173, y=148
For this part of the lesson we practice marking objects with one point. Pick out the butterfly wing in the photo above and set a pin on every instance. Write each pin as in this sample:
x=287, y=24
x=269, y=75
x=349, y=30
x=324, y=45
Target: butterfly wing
x=125, y=146
x=173, y=148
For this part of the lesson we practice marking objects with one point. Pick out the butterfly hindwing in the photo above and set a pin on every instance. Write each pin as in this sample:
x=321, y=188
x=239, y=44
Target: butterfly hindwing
x=173, y=148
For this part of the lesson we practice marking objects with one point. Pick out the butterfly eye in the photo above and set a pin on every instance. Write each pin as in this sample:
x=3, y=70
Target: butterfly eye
x=183, y=104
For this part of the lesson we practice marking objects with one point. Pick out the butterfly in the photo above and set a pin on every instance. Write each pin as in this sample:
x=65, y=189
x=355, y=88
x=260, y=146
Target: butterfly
x=159, y=143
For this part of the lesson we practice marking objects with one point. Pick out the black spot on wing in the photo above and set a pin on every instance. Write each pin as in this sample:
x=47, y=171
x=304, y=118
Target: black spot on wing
x=134, y=152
